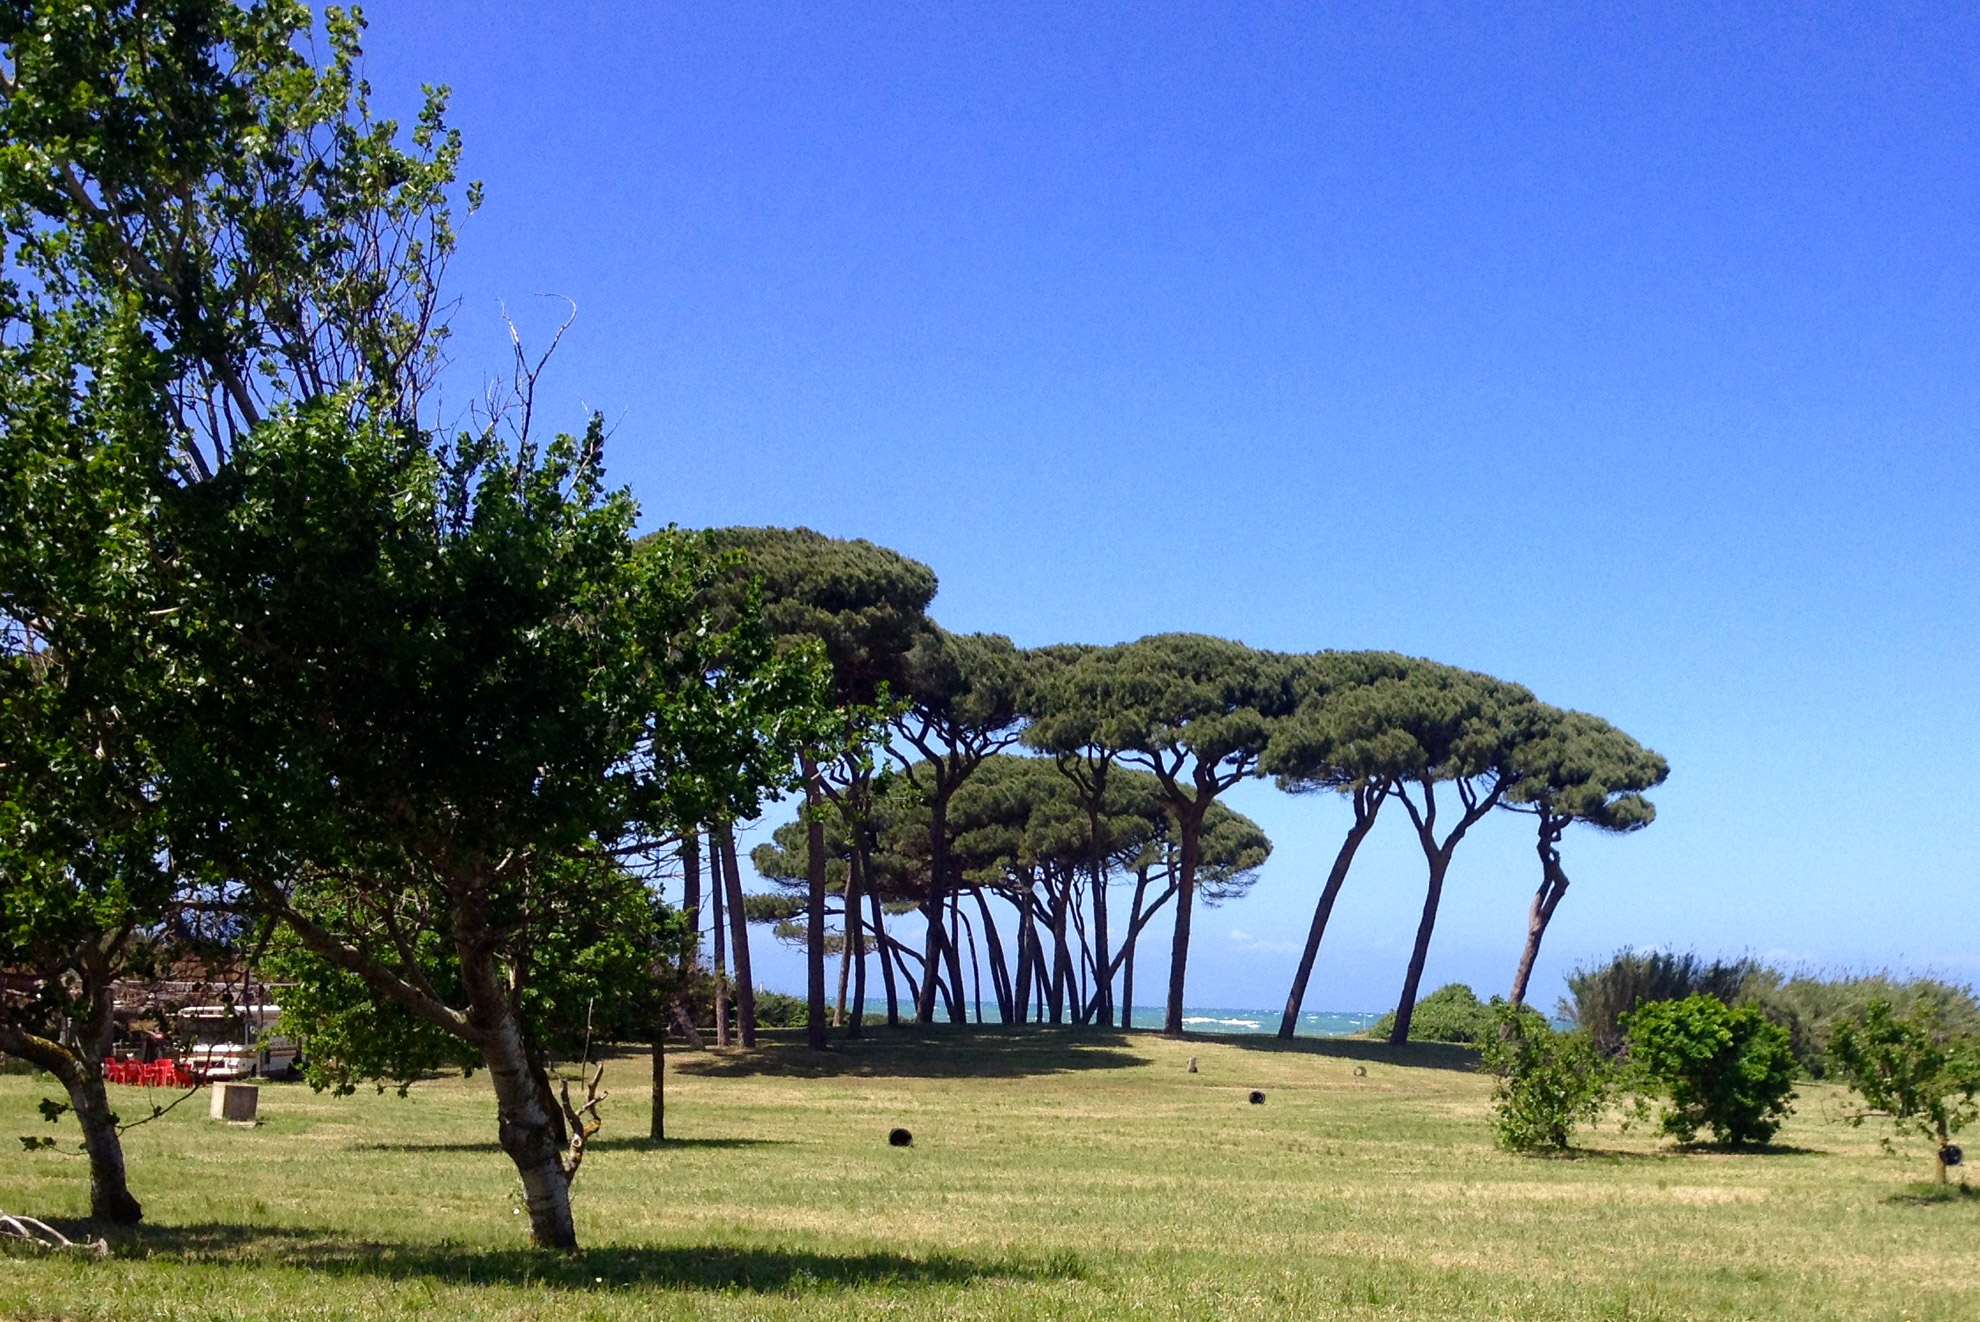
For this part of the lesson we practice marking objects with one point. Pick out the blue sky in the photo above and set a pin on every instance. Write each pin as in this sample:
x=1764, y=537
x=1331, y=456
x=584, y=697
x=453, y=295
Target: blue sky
x=1629, y=353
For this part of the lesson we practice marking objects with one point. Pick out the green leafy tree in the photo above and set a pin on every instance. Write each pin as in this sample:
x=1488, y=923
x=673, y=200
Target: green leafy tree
x=198, y=224
x=1547, y=1082
x=1917, y=1071
x=864, y=606
x=1444, y=728
x=1715, y=1066
x=964, y=704
x=1575, y=768
x=1338, y=740
x=1196, y=713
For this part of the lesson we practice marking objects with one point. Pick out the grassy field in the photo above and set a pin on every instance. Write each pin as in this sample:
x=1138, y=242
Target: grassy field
x=1052, y=1175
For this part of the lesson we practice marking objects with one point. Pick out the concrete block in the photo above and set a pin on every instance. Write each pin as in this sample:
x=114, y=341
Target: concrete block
x=234, y=1101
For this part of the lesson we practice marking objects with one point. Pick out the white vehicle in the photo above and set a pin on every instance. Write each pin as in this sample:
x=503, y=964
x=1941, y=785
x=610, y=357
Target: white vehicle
x=234, y=1042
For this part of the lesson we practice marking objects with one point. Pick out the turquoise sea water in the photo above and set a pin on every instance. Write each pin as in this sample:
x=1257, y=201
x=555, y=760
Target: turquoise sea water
x=1314, y=1023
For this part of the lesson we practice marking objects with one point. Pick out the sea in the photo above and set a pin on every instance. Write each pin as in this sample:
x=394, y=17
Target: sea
x=1313, y=1023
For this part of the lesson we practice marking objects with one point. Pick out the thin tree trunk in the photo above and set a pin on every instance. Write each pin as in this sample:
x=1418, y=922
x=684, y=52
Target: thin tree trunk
x=739, y=938
x=880, y=943
x=931, y=906
x=717, y=904
x=1438, y=855
x=856, y=940
x=1432, y=896
x=849, y=903
x=657, y=1129
x=975, y=963
x=958, y=1006
x=814, y=926
x=1553, y=885
x=691, y=907
x=1000, y=968
x=1192, y=846
x=1061, y=964
x=1103, y=1009
x=1021, y=993
x=1364, y=821
x=1127, y=955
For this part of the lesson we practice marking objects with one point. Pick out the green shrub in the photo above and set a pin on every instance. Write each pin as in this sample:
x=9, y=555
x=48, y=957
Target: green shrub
x=1603, y=994
x=777, y=1010
x=1714, y=1065
x=1452, y=1013
x=1549, y=1082
x=1810, y=1007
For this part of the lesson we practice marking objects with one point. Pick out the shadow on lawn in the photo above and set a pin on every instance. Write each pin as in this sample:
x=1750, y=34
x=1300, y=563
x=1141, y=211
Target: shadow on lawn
x=983, y=1051
x=1416, y=1055
x=716, y=1267
x=597, y=1144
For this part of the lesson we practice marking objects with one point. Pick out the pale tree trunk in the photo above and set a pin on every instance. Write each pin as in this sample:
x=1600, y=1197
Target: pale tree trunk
x=739, y=938
x=1553, y=885
x=528, y=1124
x=1367, y=803
x=81, y=1076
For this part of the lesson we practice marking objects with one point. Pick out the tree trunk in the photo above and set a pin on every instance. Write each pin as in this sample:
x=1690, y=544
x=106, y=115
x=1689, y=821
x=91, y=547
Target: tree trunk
x=886, y=965
x=1021, y=992
x=1103, y=1009
x=1406, y=1007
x=856, y=940
x=975, y=961
x=691, y=907
x=959, y=1004
x=931, y=907
x=532, y=1133
x=657, y=1129
x=1000, y=968
x=1061, y=965
x=1364, y=821
x=739, y=937
x=849, y=903
x=1127, y=955
x=717, y=897
x=816, y=1035
x=81, y=1076
x=1553, y=885
x=1192, y=845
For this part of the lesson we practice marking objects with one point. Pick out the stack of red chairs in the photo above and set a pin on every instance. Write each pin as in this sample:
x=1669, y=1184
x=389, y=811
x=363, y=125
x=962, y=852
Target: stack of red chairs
x=157, y=1074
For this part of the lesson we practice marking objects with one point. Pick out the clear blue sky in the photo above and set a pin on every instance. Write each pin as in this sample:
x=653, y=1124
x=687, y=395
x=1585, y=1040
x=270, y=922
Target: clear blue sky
x=1627, y=353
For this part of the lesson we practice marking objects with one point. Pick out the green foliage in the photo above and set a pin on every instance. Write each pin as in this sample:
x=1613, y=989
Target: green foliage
x=779, y=1010
x=1916, y=1069
x=1548, y=1082
x=1452, y=1013
x=1603, y=994
x=1810, y=1007
x=1715, y=1065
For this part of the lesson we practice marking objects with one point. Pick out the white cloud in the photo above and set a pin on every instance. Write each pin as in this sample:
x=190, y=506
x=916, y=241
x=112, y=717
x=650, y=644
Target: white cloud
x=1244, y=940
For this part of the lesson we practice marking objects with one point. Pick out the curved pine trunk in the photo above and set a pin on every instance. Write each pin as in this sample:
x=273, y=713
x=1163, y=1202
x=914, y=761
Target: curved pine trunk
x=1406, y=1006
x=1343, y=860
x=816, y=1034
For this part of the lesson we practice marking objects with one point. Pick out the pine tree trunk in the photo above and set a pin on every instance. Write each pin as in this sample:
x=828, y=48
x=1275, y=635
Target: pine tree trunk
x=849, y=902
x=739, y=938
x=1553, y=885
x=717, y=905
x=657, y=1128
x=816, y=1030
x=1406, y=1006
x=1343, y=860
x=886, y=964
x=1192, y=845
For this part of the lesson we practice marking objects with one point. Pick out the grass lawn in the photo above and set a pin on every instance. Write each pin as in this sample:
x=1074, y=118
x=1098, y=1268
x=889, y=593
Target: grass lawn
x=1053, y=1174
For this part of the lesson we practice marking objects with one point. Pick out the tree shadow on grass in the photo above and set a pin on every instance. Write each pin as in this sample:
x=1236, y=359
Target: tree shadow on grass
x=980, y=1051
x=1415, y=1055
x=608, y=1267
x=1935, y=1195
x=640, y=1144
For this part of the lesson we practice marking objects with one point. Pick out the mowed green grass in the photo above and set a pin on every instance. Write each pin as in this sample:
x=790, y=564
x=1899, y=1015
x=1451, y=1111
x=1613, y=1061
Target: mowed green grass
x=1053, y=1174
